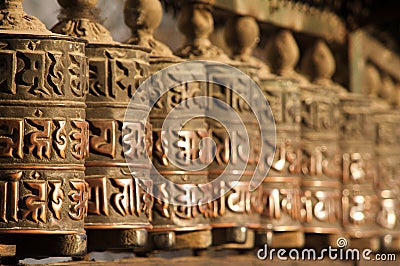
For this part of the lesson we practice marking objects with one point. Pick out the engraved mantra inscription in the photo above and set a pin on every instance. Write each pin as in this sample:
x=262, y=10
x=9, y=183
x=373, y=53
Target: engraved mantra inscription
x=357, y=209
x=182, y=93
x=319, y=115
x=124, y=195
x=41, y=137
x=188, y=147
x=115, y=71
x=278, y=202
x=321, y=206
x=105, y=137
x=40, y=198
x=42, y=73
x=238, y=200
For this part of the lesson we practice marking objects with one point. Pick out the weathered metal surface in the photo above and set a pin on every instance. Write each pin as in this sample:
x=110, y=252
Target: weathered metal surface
x=320, y=160
x=118, y=201
x=321, y=163
x=43, y=137
x=360, y=202
x=234, y=215
x=174, y=227
x=282, y=187
x=386, y=124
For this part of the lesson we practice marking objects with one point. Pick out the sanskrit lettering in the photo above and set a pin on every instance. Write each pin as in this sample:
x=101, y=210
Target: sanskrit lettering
x=9, y=194
x=11, y=137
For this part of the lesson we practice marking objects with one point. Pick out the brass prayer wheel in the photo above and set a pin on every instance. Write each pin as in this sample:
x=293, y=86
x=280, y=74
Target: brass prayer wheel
x=235, y=215
x=360, y=202
x=320, y=160
x=183, y=226
x=119, y=207
x=386, y=123
x=322, y=135
x=173, y=226
x=43, y=138
x=282, y=186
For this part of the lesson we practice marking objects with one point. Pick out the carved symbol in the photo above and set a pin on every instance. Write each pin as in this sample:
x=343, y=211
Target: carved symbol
x=77, y=70
x=57, y=197
x=36, y=203
x=9, y=195
x=387, y=217
x=8, y=69
x=40, y=140
x=239, y=200
x=11, y=137
x=272, y=204
x=98, y=77
x=124, y=200
x=162, y=206
x=160, y=141
x=133, y=139
x=80, y=137
x=56, y=75
x=79, y=200
x=320, y=205
x=124, y=73
x=103, y=142
x=98, y=201
x=31, y=73
x=61, y=138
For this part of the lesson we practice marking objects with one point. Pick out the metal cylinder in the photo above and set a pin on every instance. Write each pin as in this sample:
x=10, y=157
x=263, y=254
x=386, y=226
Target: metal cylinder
x=358, y=171
x=320, y=161
x=118, y=169
x=118, y=199
x=386, y=123
x=43, y=143
x=282, y=186
x=235, y=215
x=178, y=226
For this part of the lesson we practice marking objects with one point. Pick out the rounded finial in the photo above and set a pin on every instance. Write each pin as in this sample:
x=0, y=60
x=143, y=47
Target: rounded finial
x=373, y=80
x=143, y=17
x=388, y=90
x=196, y=23
x=78, y=3
x=242, y=35
x=319, y=64
x=283, y=55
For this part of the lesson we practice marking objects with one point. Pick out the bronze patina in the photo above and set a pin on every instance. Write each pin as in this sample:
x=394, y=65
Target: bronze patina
x=174, y=227
x=43, y=137
x=119, y=208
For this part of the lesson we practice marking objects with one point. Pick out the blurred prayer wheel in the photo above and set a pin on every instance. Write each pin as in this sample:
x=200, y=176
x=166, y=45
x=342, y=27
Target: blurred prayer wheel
x=360, y=204
x=235, y=215
x=282, y=186
x=119, y=207
x=387, y=148
x=320, y=161
x=43, y=138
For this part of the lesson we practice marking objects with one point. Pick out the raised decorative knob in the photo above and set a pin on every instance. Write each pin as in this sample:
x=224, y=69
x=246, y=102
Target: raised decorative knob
x=319, y=65
x=80, y=18
x=283, y=55
x=242, y=35
x=143, y=17
x=196, y=23
x=14, y=18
